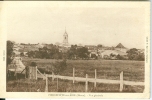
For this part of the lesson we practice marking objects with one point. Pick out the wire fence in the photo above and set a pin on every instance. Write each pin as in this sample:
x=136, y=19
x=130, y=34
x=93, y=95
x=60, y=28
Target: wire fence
x=54, y=83
x=94, y=80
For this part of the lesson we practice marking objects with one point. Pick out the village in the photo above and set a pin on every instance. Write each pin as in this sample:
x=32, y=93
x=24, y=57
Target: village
x=83, y=64
x=99, y=51
x=69, y=67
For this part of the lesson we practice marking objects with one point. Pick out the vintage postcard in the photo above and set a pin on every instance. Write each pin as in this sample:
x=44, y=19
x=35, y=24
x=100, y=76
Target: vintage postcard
x=79, y=49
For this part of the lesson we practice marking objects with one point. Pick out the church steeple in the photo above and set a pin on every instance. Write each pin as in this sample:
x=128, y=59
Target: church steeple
x=65, y=38
x=65, y=32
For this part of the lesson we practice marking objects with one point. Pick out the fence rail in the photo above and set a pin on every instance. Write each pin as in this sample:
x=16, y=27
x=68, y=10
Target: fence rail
x=97, y=80
x=86, y=80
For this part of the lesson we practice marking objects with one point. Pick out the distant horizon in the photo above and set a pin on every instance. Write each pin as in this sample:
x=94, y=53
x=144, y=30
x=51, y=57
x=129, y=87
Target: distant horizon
x=84, y=25
x=75, y=44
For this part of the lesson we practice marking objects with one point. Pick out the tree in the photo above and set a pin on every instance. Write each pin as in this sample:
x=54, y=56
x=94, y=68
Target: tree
x=140, y=57
x=99, y=46
x=112, y=55
x=132, y=53
x=10, y=45
x=72, y=52
x=119, y=57
x=82, y=52
x=52, y=51
x=38, y=54
x=94, y=56
x=33, y=64
x=59, y=66
x=31, y=54
x=22, y=54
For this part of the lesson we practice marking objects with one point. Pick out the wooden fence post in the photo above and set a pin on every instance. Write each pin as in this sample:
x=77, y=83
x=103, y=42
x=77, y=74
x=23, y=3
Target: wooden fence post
x=30, y=72
x=44, y=76
x=121, y=81
x=57, y=82
x=73, y=75
x=36, y=73
x=95, y=83
x=86, y=85
x=46, y=87
x=52, y=75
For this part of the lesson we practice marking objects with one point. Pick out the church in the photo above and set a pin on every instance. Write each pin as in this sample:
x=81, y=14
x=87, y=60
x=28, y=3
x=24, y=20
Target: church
x=65, y=40
x=64, y=46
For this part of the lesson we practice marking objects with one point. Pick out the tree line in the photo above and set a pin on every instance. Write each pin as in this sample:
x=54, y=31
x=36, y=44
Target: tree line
x=74, y=52
x=54, y=53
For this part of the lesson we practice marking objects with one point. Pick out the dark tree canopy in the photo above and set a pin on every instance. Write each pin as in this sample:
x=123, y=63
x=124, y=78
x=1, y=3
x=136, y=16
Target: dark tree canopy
x=21, y=54
x=134, y=54
x=82, y=52
x=10, y=45
x=51, y=52
x=33, y=64
x=99, y=46
x=72, y=53
x=59, y=66
x=77, y=52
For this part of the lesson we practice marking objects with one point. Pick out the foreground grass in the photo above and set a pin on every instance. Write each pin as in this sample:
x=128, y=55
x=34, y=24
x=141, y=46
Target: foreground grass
x=106, y=69
x=25, y=85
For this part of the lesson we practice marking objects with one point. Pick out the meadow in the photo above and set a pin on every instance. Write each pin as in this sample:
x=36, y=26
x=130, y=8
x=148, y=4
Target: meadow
x=106, y=69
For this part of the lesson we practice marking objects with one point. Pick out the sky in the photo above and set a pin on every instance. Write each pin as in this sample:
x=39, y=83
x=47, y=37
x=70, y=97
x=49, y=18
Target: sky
x=84, y=25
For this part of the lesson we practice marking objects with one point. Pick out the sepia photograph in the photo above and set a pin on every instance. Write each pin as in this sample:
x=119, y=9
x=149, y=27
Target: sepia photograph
x=76, y=48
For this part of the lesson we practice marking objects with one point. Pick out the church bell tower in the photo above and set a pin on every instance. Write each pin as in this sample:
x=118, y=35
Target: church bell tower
x=65, y=38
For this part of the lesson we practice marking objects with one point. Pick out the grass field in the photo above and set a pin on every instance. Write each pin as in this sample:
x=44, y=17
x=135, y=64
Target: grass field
x=106, y=69
x=25, y=85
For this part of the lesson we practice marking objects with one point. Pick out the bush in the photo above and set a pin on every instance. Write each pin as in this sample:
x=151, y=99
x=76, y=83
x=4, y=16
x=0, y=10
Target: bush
x=59, y=66
x=33, y=64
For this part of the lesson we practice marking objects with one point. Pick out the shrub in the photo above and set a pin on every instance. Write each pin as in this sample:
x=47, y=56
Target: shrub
x=59, y=66
x=33, y=64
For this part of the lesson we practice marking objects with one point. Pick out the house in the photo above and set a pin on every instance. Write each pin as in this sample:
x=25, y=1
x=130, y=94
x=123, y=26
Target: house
x=92, y=48
x=112, y=52
x=39, y=45
x=108, y=53
x=24, y=51
x=121, y=48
